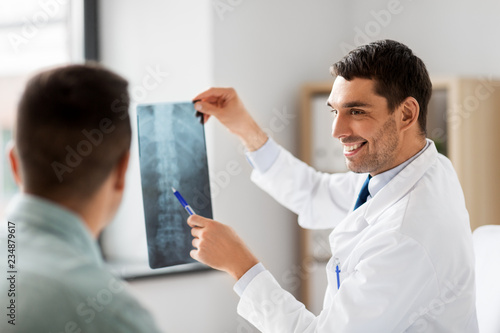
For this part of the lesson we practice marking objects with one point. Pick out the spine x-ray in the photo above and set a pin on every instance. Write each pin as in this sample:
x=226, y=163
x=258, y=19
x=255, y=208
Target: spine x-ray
x=172, y=153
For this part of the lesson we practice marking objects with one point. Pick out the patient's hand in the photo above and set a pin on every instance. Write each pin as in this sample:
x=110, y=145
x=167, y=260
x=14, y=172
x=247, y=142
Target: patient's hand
x=218, y=246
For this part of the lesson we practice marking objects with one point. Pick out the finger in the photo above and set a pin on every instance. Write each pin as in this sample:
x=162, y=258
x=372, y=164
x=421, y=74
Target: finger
x=205, y=118
x=206, y=107
x=194, y=254
x=196, y=243
x=195, y=232
x=197, y=221
x=212, y=93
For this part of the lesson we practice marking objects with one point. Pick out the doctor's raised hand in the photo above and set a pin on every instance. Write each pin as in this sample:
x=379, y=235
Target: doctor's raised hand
x=225, y=105
x=216, y=244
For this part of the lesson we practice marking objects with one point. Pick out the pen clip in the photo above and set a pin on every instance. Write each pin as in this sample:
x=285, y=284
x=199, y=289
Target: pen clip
x=336, y=261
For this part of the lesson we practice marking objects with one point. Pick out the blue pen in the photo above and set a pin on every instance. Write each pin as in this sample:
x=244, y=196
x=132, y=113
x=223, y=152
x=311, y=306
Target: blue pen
x=337, y=270
x=183, y=202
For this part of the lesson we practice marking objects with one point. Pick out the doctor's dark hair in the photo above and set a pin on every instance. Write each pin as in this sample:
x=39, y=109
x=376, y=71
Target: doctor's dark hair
x=397, y=72
x=72, y=129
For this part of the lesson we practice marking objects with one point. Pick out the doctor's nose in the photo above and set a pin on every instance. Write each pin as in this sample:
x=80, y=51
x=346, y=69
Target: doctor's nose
x=340, y=127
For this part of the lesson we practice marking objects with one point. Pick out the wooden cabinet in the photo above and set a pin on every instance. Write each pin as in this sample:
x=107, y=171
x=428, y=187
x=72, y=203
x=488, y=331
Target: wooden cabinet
x=473, y=133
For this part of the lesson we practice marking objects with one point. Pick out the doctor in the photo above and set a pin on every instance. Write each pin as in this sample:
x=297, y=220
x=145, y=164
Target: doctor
x=402, y=257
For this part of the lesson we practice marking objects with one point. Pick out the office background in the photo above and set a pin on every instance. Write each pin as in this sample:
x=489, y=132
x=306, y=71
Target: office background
x=172, y=50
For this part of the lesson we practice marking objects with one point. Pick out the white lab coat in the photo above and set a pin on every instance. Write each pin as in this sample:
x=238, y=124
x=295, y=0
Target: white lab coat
x=405, y=256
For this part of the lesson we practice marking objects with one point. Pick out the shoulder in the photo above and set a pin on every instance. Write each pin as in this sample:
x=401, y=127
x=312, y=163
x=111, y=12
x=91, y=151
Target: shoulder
x=433, y=215
x=437, y=201
x=88, y=297
x=432, y=211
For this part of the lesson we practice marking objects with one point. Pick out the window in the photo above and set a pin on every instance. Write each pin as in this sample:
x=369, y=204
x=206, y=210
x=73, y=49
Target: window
x=34, y=35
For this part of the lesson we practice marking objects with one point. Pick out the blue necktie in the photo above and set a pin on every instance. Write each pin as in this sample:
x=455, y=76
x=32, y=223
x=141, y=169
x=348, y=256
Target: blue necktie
x=363, y=194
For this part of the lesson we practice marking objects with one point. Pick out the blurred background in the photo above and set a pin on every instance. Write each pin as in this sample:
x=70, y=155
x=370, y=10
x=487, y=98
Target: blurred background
x=171, y=50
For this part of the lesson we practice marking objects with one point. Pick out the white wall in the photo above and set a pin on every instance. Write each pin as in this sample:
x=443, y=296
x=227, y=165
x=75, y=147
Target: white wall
x=452, y=37
x=266, y=49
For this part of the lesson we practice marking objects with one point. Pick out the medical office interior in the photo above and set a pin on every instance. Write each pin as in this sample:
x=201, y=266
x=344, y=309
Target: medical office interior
x=277, y=55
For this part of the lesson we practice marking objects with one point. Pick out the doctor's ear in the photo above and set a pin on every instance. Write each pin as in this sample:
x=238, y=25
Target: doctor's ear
x=410, y=110
x=14, y=162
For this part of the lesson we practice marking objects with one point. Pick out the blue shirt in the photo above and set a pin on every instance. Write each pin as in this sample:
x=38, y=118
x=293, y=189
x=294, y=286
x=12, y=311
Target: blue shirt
x=263, y=158
x=61, y=284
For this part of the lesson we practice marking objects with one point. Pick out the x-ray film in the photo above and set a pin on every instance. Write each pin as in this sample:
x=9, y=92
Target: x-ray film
x=172, y=153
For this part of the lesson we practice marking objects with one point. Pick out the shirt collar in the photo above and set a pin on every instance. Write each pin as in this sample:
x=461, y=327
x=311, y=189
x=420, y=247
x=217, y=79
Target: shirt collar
x=49, y=217
x=377, y=182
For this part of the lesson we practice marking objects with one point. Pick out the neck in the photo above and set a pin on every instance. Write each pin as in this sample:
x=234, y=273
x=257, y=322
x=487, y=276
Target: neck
x=92, y=211
x=411, y=150
x=407, y=149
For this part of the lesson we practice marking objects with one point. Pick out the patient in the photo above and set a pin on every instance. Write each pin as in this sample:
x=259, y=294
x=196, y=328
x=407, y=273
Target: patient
x=70, y=156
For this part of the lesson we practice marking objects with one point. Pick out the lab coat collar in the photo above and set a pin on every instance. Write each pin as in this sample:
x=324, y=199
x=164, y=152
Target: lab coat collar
x=400, y=185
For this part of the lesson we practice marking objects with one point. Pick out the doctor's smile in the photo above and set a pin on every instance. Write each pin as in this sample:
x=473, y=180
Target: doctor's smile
x=350, y=150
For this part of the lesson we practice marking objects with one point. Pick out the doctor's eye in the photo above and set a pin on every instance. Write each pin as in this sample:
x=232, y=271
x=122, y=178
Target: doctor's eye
x=355, y=112
x=334, y=112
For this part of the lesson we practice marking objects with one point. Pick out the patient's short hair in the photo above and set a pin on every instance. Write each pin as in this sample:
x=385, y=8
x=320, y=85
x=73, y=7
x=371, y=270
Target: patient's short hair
x=72, y=129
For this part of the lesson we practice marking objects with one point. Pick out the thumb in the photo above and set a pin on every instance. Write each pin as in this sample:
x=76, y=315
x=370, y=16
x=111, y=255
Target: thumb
x=206, y=108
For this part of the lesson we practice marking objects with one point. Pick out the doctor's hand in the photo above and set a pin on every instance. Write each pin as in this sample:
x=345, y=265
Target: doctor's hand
x=225, y=105
x=218, y=246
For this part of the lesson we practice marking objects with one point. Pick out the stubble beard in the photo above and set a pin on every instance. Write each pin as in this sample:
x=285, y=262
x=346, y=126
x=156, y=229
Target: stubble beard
x=385, y=141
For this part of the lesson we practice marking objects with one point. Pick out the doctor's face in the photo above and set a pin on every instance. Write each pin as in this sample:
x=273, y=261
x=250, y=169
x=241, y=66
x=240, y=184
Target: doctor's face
x=364, y=126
